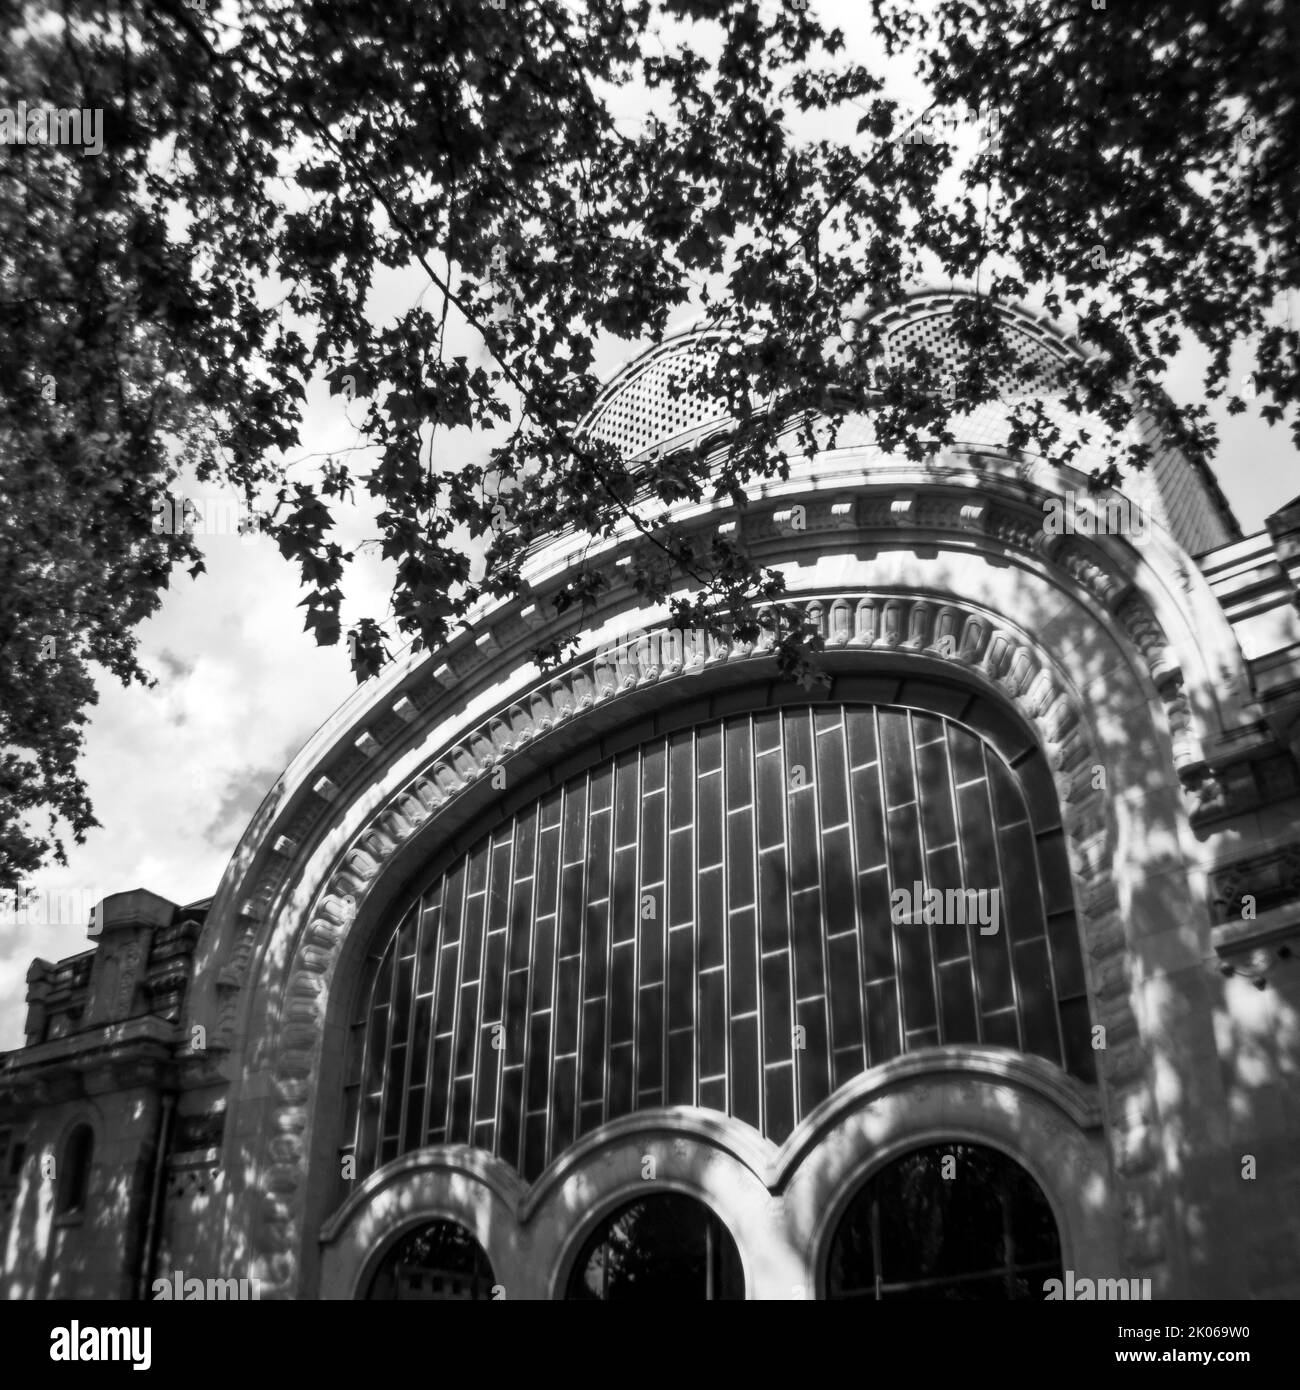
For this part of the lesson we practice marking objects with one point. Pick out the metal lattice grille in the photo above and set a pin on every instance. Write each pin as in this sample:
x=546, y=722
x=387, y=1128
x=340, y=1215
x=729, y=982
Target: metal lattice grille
x=936, y=336
x=709, y=920
x=656, y=404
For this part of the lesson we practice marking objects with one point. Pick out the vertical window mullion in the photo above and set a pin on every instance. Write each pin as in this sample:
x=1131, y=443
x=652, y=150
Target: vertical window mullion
x=554, y=966
x=697, y=1067
x=411, y=1009
x=639, y=879
x=950, y=763
x=891, y=884
x=584, y=901
x=534, y=966
x=792, y=989
x=611, y=862
x=512, y=888
x=859, y=923
x=924, y=844
x=457, y=990
x=728, y=1056
x=370, y=1042
x=480, y=992
x=368, y=1016
x=822, y=880
x=987, y=753
x=760, y=1011
x=387, y=1079
x=1047, y=941
x=433, y=1019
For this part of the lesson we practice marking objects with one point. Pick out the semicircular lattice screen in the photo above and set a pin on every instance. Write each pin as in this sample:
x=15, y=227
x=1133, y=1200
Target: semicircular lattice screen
x=743, y=916
x=656, y=402
x=935, y=335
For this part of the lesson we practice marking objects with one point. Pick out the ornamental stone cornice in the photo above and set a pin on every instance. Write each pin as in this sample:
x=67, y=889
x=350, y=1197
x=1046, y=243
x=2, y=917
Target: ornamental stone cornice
x=98, y=1061
x=1270, y=878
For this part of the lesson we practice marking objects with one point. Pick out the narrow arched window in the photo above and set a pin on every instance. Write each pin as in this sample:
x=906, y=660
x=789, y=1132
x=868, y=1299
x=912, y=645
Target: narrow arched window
x=74, y=1170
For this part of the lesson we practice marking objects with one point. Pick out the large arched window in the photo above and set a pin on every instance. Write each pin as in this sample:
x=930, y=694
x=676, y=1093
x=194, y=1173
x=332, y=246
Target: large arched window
x=440, y=1260
x=661, y=1248
x=74, y=1171
x=736, y=916
x=947, y=1222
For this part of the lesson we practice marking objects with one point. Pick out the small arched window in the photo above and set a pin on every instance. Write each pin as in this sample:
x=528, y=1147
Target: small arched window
x=665, y=1247
x=74, y=1171
x=949, y=1222
x=435, y=1262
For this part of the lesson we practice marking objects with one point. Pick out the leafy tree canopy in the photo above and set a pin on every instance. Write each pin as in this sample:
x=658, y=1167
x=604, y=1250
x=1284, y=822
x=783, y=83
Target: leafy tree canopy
x=167, y=301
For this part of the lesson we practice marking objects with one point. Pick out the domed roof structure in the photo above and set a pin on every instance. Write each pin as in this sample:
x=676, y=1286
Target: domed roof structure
x=653, y=405
x=649, y=405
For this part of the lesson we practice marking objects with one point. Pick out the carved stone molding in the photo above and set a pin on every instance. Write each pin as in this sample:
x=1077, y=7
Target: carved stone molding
x=231, y=980
x=997, y=654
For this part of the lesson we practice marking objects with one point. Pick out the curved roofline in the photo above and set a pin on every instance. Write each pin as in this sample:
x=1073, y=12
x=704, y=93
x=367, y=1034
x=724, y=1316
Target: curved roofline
x=697, y=328
x=1037, y=322
x=702, y=326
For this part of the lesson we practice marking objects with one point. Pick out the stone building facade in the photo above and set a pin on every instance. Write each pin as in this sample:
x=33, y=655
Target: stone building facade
x=508, y=951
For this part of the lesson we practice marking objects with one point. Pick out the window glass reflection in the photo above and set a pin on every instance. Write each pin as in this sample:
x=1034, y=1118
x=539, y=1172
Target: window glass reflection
x=952, y=1222
x=439, y=1261
x=664, y=1248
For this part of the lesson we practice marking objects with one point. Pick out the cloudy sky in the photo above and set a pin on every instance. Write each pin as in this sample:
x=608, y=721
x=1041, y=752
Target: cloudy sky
x=175, y=772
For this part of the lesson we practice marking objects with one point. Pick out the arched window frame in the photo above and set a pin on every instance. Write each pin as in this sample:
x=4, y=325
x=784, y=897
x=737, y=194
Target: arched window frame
x=856, y=1189
x=483, y=1283
x=579, y=1249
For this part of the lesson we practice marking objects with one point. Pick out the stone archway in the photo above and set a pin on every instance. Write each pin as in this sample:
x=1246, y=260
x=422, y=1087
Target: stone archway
x=866, y=633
